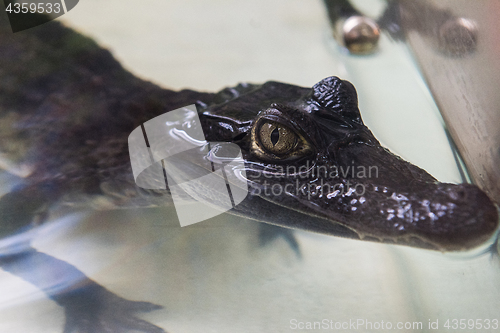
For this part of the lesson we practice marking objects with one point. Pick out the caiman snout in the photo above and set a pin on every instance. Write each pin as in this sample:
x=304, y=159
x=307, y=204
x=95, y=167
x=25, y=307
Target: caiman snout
x=404, y=204
x=458, y=217
x=446, y=217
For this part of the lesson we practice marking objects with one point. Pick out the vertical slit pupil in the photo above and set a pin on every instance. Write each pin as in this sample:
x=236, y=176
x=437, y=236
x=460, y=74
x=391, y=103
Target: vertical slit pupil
x=275, y=136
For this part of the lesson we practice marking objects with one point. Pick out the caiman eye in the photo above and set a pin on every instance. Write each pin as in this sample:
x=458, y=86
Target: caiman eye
x=272, y=141
x=276, y=138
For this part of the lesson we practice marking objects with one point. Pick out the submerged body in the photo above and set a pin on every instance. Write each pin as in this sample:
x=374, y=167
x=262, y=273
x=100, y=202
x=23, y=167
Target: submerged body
x=67, y=108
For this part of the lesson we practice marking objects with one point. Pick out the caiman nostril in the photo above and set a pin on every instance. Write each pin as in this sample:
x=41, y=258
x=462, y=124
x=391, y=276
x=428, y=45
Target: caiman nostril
x=462, y=195
x=461, y=192
x=458, y=195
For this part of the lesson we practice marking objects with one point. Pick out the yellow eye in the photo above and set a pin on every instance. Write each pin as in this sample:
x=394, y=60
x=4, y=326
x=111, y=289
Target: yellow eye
x=274, y=142
x=276, y=138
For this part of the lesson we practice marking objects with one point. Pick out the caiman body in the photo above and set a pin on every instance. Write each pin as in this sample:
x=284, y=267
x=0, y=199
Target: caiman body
x=67, y=108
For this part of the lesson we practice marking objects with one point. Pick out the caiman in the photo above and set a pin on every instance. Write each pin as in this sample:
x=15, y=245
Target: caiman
x=67, y=108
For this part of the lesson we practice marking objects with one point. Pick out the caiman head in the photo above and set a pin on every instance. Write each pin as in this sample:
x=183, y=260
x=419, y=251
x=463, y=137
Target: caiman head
x=307, y=150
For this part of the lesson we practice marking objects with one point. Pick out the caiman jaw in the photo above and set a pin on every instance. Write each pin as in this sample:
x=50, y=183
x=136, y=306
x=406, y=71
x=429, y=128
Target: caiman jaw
x=439, y=216
x=395, y=207
x=403, y=204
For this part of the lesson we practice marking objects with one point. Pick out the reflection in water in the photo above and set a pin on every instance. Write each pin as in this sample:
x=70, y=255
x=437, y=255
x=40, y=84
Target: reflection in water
x=445, y=32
